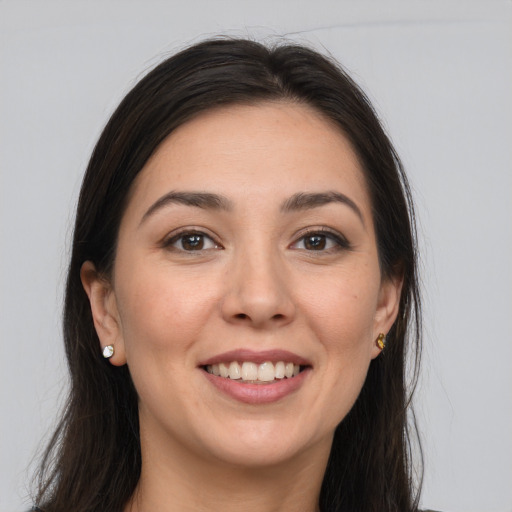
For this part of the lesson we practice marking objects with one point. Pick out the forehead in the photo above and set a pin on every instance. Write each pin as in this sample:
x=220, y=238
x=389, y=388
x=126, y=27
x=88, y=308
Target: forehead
x=268, y=150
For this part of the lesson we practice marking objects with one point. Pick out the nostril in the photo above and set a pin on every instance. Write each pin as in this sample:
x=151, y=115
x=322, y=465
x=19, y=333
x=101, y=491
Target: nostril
x=241, y=316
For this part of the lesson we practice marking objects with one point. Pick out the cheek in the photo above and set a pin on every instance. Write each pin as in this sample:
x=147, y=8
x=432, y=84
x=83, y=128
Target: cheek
x=342, y=319
x=343, y=310
x=163, y=311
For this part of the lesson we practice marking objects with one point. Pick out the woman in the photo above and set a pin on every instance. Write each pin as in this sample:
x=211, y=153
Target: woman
x=241, y=296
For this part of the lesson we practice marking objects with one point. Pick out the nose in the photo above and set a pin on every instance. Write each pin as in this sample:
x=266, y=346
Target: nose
x=258, y=292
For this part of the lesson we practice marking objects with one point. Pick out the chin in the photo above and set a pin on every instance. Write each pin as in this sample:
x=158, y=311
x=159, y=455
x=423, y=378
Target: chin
x=258, y=444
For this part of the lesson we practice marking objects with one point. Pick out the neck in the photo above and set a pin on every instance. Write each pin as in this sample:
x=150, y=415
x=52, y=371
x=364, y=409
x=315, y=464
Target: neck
x=177, y=481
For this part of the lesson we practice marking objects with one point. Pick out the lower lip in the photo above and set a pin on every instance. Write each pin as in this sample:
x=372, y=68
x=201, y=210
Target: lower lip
x=258, y=393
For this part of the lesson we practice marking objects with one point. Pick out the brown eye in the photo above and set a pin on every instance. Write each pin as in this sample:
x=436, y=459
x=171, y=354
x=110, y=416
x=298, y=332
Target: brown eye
x=315, y=242
x=191, y=242
x=321, y=241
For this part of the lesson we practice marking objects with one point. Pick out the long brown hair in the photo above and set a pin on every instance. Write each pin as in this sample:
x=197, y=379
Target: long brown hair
x=93, y=461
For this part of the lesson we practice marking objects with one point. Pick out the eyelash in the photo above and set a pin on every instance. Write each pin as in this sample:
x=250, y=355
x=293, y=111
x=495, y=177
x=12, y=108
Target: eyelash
x=326, y=235
x=169, y=242
x=341, y=243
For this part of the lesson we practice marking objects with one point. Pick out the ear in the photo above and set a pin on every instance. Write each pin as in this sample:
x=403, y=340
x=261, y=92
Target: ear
x=387, y=308
x=104, y=311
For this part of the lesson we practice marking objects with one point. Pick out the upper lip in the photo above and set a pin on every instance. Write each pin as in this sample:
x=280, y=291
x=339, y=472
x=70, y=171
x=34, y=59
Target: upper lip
x=258, y=357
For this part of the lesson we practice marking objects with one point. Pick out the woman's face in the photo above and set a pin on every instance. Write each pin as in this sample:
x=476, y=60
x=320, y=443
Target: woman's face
x=247, y=249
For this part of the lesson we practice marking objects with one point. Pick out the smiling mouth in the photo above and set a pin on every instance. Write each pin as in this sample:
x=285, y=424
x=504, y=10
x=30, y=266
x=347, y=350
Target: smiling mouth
x=253, y=373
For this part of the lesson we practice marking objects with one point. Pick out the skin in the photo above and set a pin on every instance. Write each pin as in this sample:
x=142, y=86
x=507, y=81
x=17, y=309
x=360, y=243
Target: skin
x=259, y=284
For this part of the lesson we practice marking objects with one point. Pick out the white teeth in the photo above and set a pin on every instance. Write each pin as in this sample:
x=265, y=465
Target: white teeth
x=266, y=372
x=224, y=370
x=234, y=371
x=249, y=371
x=252, y=372
x=279, y=368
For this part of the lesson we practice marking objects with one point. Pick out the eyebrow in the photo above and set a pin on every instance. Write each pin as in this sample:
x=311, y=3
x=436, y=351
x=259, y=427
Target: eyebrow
x=307, y=201
x=204, y=200
x=209, y=201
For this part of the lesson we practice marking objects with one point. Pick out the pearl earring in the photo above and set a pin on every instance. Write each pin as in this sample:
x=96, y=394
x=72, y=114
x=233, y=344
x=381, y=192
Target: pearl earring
x=108, y=351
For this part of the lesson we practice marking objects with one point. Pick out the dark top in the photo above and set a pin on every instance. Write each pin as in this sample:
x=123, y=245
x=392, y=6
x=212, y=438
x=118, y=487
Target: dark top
x=37, y=509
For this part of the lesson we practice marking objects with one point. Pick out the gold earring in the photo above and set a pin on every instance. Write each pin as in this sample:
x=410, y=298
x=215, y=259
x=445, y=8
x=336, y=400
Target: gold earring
x=108, y=351
x=381, y=341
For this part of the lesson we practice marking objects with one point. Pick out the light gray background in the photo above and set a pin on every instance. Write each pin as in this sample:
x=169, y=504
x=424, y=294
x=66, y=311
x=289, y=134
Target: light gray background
x=440, y=74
